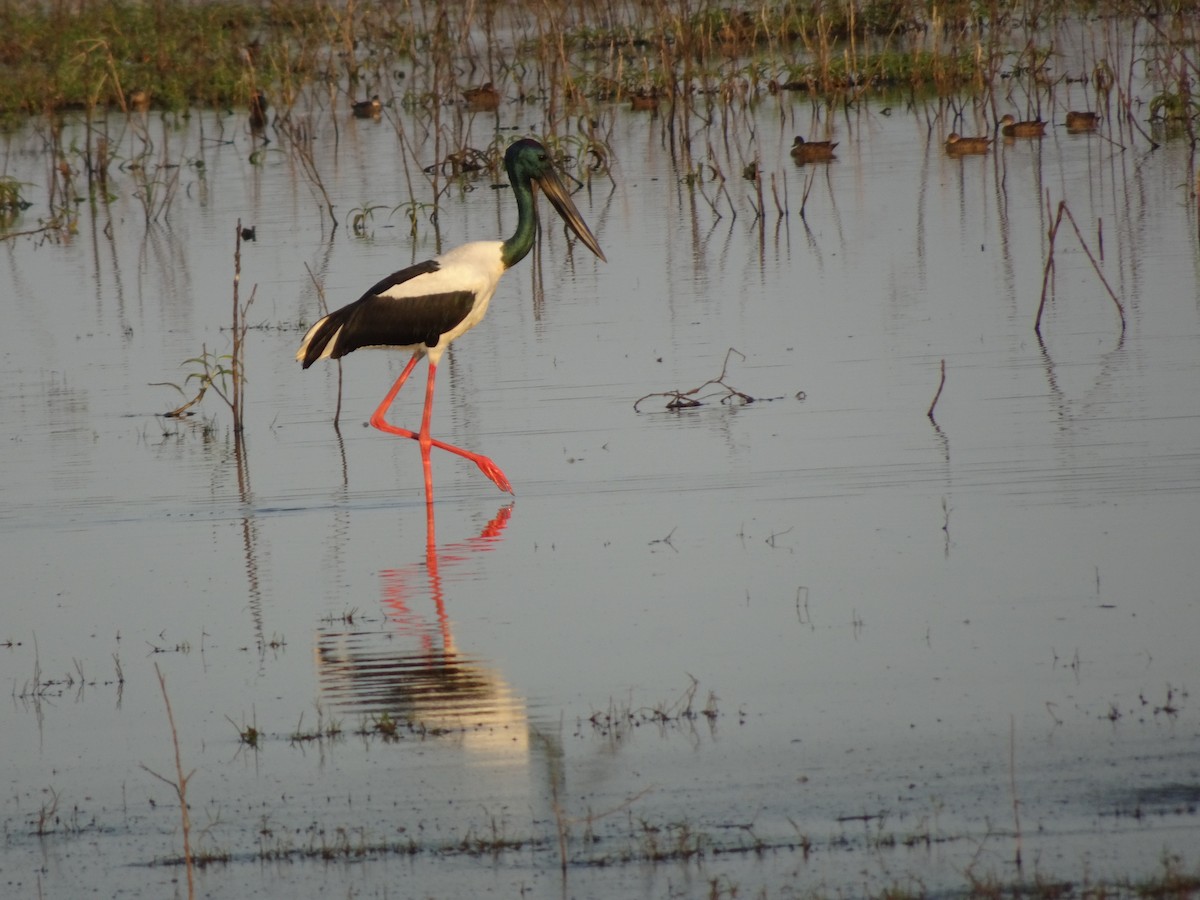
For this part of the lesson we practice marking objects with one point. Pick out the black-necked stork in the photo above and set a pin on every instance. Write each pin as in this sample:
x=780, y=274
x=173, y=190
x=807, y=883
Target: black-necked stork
x=425, y=307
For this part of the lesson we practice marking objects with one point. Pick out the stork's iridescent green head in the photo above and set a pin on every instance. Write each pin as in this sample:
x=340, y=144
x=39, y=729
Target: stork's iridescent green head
x=529, y=164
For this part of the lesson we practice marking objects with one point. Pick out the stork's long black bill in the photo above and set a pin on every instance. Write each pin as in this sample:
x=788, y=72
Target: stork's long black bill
x=561, y=201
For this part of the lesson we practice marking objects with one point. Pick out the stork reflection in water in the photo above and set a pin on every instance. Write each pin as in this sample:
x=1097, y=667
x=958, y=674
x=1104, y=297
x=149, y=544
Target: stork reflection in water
x=411, y=673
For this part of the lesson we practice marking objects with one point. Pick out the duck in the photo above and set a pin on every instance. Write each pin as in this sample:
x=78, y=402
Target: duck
x=812, y=151
x=1082, y=121
x=957, y=144
x=1010, y=127
x=483, y=98
x=644, y=100
x=368, y=109
x=258, y=111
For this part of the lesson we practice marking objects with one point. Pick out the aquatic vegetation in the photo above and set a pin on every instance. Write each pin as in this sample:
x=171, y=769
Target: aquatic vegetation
x=220, y=55
x=211, y=371
x=412, y=210
x=1174, y=106
x=179, y=55
x=63, y=219
x=361, y=217
x=325, y=730
x=11, y=201
x=247, y=734
x=615, y=722
x=701, y=69
x=179, y=783
x=223, y=373
x=1173, y=882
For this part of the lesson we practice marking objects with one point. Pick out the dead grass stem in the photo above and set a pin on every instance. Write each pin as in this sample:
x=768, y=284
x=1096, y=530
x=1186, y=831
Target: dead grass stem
x=179, y=785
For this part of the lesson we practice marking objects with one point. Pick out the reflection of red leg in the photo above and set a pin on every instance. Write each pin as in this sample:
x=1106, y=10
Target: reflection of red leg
x=489, y=468
x=401, y=584
x=492, y=529
x=431, y=565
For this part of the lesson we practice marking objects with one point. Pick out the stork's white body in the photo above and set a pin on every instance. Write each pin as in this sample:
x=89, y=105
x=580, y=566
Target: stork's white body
x=473, y=269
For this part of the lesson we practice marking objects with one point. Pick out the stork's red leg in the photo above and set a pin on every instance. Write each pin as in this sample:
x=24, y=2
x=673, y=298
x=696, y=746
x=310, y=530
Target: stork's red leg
x=377, y=417
x=489, y=468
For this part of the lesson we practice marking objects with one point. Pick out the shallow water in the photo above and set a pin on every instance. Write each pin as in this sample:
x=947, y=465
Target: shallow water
x=817, y=642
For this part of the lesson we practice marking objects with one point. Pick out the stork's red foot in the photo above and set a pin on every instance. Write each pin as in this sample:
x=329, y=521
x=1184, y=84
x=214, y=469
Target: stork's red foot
x=486, y=466
x=492, y=471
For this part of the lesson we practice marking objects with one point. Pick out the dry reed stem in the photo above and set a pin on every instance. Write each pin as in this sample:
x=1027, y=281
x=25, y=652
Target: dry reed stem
x=238, y=334
x=563, y=822
x=299, y=140
x=179, y=785
x=938, y=394
x=1012, y=779
x=337, y=411
x=1064, y=210
x=809, y=180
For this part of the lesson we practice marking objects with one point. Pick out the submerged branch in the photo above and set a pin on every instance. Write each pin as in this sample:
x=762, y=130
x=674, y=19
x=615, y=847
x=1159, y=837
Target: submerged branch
x=687, y=399
x=1064, y=210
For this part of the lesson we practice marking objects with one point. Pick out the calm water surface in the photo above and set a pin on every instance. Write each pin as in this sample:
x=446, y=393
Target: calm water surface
x=924, y=647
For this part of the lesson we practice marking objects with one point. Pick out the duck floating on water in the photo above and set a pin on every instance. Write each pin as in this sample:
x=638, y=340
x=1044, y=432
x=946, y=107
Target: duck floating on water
x=258, y=111
x=812, y=151
x=1010, y=127
x=1078, y=122
x=483, y=98
x=956, y=144
x=368, y=109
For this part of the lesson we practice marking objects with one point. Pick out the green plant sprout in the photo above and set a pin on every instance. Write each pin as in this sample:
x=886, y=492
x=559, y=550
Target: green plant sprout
x=212, y=371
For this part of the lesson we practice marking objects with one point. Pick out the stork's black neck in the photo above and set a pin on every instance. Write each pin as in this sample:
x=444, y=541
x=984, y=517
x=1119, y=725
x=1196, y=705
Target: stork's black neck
x=518, y=246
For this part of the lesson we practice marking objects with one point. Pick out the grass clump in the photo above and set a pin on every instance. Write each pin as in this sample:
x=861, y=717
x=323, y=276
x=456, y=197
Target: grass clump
x=918, y=70
x=98, y=54
x=420, y=57
x=1173, y=883
x=12, y=203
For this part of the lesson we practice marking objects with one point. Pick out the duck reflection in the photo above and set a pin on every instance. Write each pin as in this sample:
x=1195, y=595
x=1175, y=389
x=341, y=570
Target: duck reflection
x=410, y=675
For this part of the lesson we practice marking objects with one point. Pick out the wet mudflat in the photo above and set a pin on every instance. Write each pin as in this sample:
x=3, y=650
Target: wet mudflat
x=816, y=644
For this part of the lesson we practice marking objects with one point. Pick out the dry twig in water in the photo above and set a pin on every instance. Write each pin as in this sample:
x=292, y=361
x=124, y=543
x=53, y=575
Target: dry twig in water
x=938, y=394
x=320, y=288
x=688, y=399
x=1063, y=210
x=179, y=784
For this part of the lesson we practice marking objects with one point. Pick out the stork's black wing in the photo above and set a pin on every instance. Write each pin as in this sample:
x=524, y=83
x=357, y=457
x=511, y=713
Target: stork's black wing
x=376, y=320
